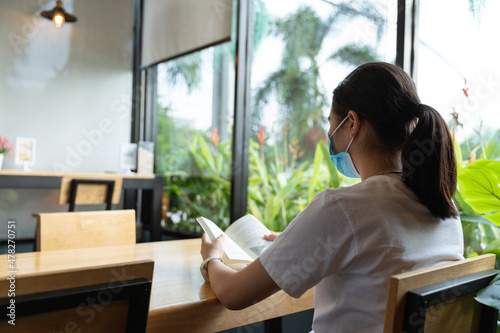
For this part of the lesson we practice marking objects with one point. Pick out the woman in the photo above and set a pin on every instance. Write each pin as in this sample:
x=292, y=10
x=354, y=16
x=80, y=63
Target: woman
x=349, y=241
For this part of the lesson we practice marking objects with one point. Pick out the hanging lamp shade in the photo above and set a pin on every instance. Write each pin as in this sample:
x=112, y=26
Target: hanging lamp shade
x=58, y=15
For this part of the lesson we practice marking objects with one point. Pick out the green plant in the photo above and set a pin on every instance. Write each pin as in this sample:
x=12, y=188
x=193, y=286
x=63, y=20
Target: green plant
x=193, y=196
x=280, y=189
x=277, y=190
x=478, y=199
x=204, y=190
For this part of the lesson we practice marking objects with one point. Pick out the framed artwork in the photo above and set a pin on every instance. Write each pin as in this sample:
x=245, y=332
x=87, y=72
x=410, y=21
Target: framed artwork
x=25, y=151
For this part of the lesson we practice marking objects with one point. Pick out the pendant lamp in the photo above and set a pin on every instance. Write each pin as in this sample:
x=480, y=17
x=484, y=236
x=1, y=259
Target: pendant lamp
x=58, y=15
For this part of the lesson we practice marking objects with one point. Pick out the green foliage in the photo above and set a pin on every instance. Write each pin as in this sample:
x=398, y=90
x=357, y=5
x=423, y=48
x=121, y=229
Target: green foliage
x=296, y=84
x=193, y=196
x=354, y=55
x=270, y=190
x=479, y=185
x=303, y=33
x=492, y=149
x=185, y=69
x=261, y=23
x=277, y=190
x=206, y=190
x=478, y=201
x=171, y=144
x=476, y=7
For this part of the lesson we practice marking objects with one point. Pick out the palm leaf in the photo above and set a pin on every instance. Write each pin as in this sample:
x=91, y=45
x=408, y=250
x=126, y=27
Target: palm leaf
x=354, y=55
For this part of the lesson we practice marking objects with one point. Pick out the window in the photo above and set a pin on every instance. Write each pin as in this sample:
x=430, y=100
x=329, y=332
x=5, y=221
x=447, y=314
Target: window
x=195, y=117
x=458, y=74
x=302, y=50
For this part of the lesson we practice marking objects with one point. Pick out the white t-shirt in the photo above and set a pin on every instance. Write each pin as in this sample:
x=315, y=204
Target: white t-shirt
x=349, y=241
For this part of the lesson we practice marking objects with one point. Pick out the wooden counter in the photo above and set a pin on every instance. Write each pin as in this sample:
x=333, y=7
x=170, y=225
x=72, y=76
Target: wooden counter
x=180, y=300
x=126, y=184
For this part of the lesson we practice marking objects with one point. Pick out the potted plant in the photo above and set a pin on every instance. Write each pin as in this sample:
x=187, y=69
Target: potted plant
x=5, y=148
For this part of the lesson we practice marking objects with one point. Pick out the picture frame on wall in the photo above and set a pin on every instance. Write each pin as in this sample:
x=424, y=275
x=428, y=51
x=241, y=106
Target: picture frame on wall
x=25, y=152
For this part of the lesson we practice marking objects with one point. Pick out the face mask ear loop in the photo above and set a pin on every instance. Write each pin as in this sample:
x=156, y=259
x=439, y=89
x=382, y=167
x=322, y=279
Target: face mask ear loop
x=349, y=145
x=335, y=130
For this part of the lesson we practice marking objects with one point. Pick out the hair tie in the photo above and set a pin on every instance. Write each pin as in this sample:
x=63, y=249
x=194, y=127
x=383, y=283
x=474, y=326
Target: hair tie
x=418, y=111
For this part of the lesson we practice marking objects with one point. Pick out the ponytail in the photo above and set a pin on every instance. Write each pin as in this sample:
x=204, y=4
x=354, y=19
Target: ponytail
x=429, y=164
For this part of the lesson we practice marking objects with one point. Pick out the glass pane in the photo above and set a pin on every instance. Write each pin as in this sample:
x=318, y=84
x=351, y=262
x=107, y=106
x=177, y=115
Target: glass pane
x=458, y=74
x=302, y=50
x=195, y=118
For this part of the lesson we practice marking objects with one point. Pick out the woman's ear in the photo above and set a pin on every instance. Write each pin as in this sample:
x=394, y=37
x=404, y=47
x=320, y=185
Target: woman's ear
x=354, y=123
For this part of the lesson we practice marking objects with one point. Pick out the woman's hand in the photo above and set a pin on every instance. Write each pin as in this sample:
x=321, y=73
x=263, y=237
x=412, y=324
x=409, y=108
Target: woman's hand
x=271, y=237
x=209, y=248
x=236, y=289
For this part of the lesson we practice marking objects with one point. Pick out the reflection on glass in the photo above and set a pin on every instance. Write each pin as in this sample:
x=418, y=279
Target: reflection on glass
x=195, y=119
x=302, y=49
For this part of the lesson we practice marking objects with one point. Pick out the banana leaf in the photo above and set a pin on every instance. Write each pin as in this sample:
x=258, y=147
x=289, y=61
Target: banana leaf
x=489, y=295
x=479, y=186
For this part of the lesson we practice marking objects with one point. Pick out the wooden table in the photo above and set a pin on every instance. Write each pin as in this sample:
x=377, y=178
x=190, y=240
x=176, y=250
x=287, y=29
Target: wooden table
x=152, y=186
x=180, y=300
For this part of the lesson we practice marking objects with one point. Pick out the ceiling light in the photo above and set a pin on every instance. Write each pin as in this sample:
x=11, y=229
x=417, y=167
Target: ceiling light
x=58, y=15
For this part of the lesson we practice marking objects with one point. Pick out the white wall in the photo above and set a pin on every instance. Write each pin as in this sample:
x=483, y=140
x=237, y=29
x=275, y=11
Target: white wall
x=70, y=88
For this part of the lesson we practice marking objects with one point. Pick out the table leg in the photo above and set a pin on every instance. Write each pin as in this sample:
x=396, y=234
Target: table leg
x=273, y=325
x=152, y=200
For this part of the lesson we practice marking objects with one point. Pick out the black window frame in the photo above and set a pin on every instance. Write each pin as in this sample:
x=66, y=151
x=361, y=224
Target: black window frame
x=144, y=122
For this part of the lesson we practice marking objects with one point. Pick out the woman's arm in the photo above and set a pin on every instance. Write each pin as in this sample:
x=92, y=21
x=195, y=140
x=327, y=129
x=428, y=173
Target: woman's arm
x=236, y=289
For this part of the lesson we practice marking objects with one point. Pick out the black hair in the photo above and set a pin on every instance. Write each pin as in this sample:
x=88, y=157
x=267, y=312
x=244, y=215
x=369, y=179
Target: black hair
x=385, y=96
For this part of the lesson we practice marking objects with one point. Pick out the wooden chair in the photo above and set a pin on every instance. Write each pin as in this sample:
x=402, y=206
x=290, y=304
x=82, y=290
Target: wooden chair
x=73, y=230
x=440, y=298
x=111, y=298
x=91, y=191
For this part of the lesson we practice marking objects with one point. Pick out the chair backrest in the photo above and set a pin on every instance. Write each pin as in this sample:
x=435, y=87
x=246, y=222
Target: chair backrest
x=439, y=298
x=91, y=191
x=111, y=298
x=73, y=230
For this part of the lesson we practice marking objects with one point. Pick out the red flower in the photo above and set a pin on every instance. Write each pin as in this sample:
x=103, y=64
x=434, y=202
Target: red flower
x=466, y=89
x=261, y=136
x=215, y=137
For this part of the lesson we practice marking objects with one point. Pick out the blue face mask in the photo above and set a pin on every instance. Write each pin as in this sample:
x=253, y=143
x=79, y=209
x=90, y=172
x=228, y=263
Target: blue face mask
x=343, y=161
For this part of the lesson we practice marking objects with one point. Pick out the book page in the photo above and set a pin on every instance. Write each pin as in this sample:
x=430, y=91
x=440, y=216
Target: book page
x=232, y=251
x=248, y=232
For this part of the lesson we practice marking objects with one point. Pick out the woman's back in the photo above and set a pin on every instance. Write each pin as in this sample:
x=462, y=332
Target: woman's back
x=358, y=237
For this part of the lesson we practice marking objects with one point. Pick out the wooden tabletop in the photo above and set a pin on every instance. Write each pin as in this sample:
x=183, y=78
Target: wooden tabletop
x=180, y=300
x=75, y=174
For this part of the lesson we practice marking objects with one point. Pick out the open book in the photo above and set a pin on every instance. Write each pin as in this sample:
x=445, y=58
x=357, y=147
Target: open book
x=244, y=238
